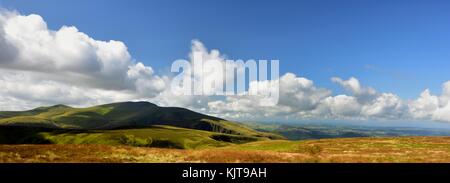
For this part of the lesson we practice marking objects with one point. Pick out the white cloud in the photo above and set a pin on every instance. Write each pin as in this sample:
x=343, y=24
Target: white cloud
x=363, y=94
x=433, y=107
x=444, y=99
x=351, y=84
x=24, y=91
x=67, y=66
x=298, y=96
x=424, y=106
x=340, y=106
x=386, y=105
x=364, y=102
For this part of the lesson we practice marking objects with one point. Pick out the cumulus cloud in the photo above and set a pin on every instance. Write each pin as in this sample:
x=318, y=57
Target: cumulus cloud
x=301, y=99
x=340, y=106
x=67, y=66
x=298, y=96
x=39, y=66
x=174, y=97
x=372, y=104
x=434, y=107
x=363, y=94
x=21, y=90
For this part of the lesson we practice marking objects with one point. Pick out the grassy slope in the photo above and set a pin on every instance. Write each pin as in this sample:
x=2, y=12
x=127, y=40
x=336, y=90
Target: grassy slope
x=124, y=115
x=401, y=149
x=153, y=136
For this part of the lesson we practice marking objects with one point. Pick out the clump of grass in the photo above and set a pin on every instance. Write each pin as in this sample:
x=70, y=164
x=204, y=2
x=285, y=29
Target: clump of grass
x=312, y=149
x=134, y=141
x=233, y=138
x=166, y=143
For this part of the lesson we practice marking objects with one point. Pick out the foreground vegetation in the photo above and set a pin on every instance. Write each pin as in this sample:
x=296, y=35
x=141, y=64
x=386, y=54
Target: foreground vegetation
x=399, y=149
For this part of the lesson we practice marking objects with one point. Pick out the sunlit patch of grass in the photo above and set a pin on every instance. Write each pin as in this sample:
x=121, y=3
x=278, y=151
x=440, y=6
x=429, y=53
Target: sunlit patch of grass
x=271, y=145
x=156, y=136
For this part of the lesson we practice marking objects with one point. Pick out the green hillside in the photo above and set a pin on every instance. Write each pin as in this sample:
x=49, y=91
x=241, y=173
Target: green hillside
x=154, y=136
x=126, y=115
x=140, y=124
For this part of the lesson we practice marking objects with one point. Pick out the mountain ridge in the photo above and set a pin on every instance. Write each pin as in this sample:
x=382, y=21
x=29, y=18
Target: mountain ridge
x=123, y=115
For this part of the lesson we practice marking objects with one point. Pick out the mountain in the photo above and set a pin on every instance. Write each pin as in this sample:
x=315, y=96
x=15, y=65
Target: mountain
x=124, y=115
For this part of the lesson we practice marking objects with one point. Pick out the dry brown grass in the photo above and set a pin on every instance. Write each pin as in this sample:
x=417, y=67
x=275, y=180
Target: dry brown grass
x=245, y=156
x=85, y=153
x=402, y=149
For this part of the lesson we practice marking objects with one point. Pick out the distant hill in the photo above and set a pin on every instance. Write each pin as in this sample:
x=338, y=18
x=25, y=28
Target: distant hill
x=318, y=131
x=125, y=115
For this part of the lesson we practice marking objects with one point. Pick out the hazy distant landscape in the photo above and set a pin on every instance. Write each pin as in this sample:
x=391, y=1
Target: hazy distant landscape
x=319, y=131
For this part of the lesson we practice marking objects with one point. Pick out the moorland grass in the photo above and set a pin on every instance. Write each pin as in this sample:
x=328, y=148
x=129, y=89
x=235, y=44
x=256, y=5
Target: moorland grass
x=346, y=150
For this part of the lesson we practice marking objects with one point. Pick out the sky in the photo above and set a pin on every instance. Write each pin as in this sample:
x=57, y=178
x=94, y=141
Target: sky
x=352, y=51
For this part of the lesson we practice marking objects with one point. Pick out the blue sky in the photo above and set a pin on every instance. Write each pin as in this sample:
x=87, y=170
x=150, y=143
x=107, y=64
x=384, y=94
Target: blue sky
x=381, y=54
x=394, y=46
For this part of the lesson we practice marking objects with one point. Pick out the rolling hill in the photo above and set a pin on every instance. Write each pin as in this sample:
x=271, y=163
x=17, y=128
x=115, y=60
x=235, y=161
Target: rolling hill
x=128, y=123
x=121, y=116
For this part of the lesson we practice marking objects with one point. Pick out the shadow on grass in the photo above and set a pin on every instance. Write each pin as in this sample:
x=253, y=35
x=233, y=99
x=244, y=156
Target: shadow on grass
x=23, y=135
